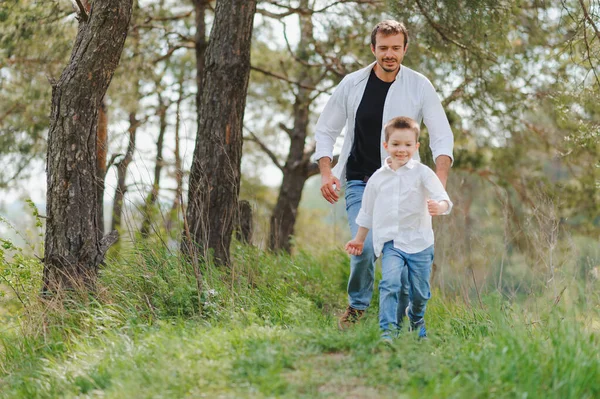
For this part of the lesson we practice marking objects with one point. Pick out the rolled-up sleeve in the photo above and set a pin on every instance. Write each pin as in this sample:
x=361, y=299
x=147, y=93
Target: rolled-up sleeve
x=435, y=189
x=365, y=215
x=331, y=122
x=441, y=139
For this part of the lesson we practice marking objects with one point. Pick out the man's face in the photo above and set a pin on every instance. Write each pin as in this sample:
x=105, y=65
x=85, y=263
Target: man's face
x=389, y=51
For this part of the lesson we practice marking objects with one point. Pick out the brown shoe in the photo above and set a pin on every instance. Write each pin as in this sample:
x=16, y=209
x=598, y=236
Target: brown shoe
x=350, y=317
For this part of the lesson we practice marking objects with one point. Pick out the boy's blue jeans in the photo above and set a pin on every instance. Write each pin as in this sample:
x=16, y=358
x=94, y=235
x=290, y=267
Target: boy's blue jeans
x=393, y=263
x=362, y=267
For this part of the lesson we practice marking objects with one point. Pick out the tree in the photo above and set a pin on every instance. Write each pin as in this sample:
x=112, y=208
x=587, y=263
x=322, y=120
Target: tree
x=74, y=246
x=215, y=174
x=152, y=197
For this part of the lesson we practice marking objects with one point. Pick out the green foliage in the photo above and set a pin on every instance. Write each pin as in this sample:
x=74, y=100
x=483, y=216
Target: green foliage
x=20, y=272
x=35, y=41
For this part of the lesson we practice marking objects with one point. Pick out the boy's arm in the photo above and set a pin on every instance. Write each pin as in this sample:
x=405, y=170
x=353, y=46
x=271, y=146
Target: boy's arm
x=364, y=220
x=356, y=245
x=365, y=215
x=439, y=202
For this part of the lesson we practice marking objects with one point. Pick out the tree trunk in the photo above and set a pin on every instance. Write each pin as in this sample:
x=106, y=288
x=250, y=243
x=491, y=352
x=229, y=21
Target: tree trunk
x=295, y=173
x=296, y=169
x=74, y=246
x=101, y=148
x=158, y=165
x=200, y=44
x=215, y=173
x=122, y=167
x=244, y=224
x=178, y=166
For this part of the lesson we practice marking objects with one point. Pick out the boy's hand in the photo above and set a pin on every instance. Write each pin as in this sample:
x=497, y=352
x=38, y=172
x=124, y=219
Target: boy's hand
x=436, y=208
x=355, y=247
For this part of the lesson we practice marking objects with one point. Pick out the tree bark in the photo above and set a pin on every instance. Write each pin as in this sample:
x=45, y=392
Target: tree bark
x=101, y=148
x=74, y=246
x=215, y=173
x=200, y=44
x=158, y=165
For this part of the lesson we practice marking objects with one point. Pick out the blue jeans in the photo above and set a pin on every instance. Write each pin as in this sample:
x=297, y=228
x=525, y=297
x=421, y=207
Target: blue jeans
x=393, y=264
x=362, y=267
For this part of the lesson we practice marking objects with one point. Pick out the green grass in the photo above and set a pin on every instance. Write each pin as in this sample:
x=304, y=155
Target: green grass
x=268, y=329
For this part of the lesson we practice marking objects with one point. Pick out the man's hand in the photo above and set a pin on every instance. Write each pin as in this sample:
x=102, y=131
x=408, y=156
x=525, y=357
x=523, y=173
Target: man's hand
x=436, y=208
x=330, y=187
x=355, y=247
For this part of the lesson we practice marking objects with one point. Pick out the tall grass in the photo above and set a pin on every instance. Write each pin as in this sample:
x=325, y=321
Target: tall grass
x=266, y=328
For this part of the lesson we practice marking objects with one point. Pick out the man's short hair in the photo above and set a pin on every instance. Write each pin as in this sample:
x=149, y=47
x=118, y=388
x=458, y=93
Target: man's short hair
x=401, y=123
x=389, y=27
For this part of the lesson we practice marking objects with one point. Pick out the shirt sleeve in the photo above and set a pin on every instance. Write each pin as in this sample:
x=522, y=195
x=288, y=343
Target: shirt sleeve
x=435, y=189
x=331, y=122
x=441, y=139
x=365, y=215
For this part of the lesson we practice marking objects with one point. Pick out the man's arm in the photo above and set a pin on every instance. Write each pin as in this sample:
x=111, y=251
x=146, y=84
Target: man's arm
x=441, y=139
x=329, y=126
x=442, y=168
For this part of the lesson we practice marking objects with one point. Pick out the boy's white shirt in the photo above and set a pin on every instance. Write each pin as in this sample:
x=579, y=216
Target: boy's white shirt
x=394, y=206
x=411, y=94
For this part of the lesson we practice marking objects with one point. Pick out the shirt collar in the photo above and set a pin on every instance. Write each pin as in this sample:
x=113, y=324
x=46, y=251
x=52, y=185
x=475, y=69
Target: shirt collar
x=409, y=165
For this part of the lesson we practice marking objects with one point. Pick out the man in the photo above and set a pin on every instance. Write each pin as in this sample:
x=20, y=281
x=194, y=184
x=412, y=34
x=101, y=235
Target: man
x=363, y=102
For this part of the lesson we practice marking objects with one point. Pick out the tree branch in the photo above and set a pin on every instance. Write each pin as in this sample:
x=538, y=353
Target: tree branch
x=589, y=18
x=308, y=11
x=273, y=15
x=263, y=147
x=440, y=30
x=289, y=47
x=587, y=47
x=111, y=162
x=286, y=129
x=172, y=50
x=171, y=18
x=9, y=111
x=335, y=3
x=82, y=12
x=457, y=93
x=280, y=77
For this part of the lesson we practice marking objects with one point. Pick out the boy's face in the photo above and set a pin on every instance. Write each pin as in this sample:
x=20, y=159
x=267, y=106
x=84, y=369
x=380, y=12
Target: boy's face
x=401, y=146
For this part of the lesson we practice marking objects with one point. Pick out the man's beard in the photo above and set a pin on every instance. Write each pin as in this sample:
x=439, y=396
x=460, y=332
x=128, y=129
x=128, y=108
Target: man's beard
x=389, y=69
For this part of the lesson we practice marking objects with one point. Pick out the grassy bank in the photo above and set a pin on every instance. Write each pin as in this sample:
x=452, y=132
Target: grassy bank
x=267, y=329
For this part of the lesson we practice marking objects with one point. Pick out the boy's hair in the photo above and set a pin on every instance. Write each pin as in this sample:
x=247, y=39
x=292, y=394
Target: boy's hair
x=399, y=123
x=389, y=27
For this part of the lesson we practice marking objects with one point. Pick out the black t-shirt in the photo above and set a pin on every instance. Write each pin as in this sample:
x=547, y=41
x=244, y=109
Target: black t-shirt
x=365, y=157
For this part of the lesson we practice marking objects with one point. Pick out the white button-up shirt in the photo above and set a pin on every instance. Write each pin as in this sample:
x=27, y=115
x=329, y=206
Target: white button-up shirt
x=394, y=206
x=411, y=94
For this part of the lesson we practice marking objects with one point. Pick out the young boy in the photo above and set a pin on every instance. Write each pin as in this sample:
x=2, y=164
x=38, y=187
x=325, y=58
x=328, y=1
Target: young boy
x=399, y=200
